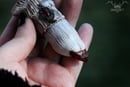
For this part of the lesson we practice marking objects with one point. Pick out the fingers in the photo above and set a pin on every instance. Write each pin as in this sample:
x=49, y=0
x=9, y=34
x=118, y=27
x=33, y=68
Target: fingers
x=21, y=45
x=9, y=31
x=74, y=66
x=71, y=9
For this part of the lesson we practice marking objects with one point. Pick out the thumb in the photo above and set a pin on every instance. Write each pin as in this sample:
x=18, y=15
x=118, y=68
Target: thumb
x=21, y=45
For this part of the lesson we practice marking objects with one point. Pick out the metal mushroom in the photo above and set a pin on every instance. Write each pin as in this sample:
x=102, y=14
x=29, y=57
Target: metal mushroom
x=51, y=23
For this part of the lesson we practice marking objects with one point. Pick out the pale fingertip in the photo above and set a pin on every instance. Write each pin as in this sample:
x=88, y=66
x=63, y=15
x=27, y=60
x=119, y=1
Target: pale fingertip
x=86, y=34
x=86, y=27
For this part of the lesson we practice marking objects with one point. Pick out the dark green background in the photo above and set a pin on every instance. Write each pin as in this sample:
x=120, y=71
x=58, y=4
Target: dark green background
x=108, y=64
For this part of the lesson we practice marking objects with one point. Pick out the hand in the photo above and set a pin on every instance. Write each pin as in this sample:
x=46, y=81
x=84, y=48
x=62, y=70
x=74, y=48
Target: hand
x=22, y=53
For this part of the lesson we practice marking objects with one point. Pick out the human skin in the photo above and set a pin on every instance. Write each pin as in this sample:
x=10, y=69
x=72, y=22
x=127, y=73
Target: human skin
x=22, y=51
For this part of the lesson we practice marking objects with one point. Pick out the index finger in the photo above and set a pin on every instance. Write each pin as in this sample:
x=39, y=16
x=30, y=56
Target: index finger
x=71, y=10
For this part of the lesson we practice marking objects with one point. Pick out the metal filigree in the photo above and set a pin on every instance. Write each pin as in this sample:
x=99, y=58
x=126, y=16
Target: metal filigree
x=42, y=12
x=57, y=30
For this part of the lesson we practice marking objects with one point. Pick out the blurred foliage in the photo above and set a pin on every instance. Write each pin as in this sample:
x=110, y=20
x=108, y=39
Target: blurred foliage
x=109, y=62
x=5, y=12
